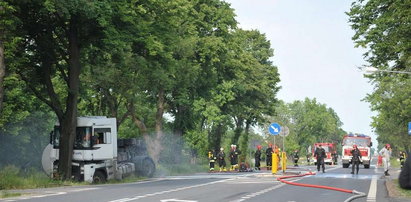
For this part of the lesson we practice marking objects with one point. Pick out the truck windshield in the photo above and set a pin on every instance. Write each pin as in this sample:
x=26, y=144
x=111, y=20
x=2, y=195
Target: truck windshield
x=83, y=138
x=56, y=137
x=362, y=142
x=327, y=149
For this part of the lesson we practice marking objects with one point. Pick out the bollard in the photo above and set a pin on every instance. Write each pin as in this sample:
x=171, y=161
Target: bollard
x=283, y=161
x=274, y=163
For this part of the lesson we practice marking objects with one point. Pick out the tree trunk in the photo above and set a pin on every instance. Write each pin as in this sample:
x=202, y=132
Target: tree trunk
x=215, y=137
x=238, y=130
x=244, y=143
x=2, y=73
x=159, y=126
x=69, y=122
x=150, y=143
x=179, y=130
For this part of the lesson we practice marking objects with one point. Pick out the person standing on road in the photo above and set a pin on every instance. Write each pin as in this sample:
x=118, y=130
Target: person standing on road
x=221, y=160
x=211, y=158
x=269, y=154
x=356, y=158
x=296, y=158
x=386, y=155
x=308, y=158
x=320, y=155
x=234, y=153
x=257, y=157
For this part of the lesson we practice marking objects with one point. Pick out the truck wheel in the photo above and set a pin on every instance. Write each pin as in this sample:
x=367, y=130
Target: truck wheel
x=346, y=165
x=148, y=168
x=366, y=165
x=99, y=177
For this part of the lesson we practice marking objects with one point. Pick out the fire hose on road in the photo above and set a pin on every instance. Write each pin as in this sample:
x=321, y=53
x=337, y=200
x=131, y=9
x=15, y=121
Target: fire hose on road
x=357, y=193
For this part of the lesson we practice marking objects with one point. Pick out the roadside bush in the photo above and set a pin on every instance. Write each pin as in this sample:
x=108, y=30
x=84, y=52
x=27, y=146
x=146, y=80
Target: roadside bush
x=11, y=178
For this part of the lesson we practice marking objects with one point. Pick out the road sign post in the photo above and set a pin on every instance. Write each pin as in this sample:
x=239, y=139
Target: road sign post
x=409, y=128
x=274, y=129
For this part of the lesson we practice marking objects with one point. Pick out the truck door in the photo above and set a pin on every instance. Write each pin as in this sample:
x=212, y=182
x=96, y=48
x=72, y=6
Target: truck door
x=102, y=143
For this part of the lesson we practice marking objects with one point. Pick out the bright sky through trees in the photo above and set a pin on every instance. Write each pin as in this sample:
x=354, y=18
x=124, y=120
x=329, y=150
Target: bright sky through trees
x=314, y=53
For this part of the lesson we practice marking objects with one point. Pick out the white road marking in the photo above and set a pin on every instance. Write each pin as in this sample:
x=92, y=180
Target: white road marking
x=176, y=200
x=263, y=191
x=372, y=193
x=49, y=194
x=169, y=191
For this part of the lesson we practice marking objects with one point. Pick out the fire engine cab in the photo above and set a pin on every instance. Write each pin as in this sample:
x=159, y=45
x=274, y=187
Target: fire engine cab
x=363, y=143
x=329, y=148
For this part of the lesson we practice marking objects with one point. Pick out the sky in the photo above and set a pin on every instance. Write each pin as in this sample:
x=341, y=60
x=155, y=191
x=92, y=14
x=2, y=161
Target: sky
x=314, y=53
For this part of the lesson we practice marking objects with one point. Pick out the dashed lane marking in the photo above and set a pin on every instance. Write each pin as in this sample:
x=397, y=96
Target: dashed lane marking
x=372, y=192
x=169, y=191
x=47, y=194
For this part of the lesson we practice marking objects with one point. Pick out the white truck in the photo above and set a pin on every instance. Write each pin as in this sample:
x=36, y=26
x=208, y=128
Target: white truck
x=363, y=143
x=97, y=154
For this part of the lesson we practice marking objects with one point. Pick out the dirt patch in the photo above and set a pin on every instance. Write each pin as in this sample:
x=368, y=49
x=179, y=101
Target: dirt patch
x=392, y=189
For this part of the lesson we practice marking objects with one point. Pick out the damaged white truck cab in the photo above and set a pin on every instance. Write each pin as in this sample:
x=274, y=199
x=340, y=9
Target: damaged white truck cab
x=97, y=153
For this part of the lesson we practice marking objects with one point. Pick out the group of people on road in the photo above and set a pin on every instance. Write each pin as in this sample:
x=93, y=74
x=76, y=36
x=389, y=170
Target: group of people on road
x=220, y=158
x=319, y=154
x=269, y=155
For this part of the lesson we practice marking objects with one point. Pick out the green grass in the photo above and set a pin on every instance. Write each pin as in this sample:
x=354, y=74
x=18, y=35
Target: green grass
x=4, y=194
x=404, y=192
x=395, y=163
x=12, y=178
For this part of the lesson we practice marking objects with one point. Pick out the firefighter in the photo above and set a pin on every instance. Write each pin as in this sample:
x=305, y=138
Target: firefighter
x=296, y=157
x=379, y=162
x=269, y=153
x=221, y=160
x=335, y=157
x=257, y=157
x=356, y=158
x=308, y=158
x=320, y=155
x=211, y=158
x=402, y=158
x=386, y=155
x=234, y=157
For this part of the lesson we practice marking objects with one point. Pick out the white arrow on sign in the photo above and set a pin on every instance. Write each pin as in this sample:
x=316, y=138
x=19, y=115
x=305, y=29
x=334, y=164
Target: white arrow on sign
x=409, y=132
x=275, y=129
x=176, y=200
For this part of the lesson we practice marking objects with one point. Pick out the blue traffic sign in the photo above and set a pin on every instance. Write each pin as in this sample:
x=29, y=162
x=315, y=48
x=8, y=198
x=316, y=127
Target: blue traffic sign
x=409, y=128
x=274, y=129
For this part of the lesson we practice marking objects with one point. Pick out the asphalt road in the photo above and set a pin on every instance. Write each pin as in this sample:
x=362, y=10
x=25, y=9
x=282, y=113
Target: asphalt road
x=252, y=186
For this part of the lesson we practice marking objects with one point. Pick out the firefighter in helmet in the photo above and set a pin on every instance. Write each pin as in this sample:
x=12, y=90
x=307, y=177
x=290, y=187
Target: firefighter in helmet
x=356, y=158
x=234, y=153
x=269, y=154
x=212, y=158
x=221, y=160
x=386, y=155
x=320, y=155
x=296, y=158
x=257, y=157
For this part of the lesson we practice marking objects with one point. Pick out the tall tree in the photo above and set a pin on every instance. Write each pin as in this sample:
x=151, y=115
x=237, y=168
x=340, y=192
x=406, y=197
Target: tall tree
x=384, y=29
x=7, y=23
x=54, y=34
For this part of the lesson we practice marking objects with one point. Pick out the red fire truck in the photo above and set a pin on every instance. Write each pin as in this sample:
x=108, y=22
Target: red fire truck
x=363, y=143
x=329, y=148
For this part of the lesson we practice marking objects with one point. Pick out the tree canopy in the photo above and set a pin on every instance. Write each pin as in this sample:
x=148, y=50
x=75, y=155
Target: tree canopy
x=383, y=28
